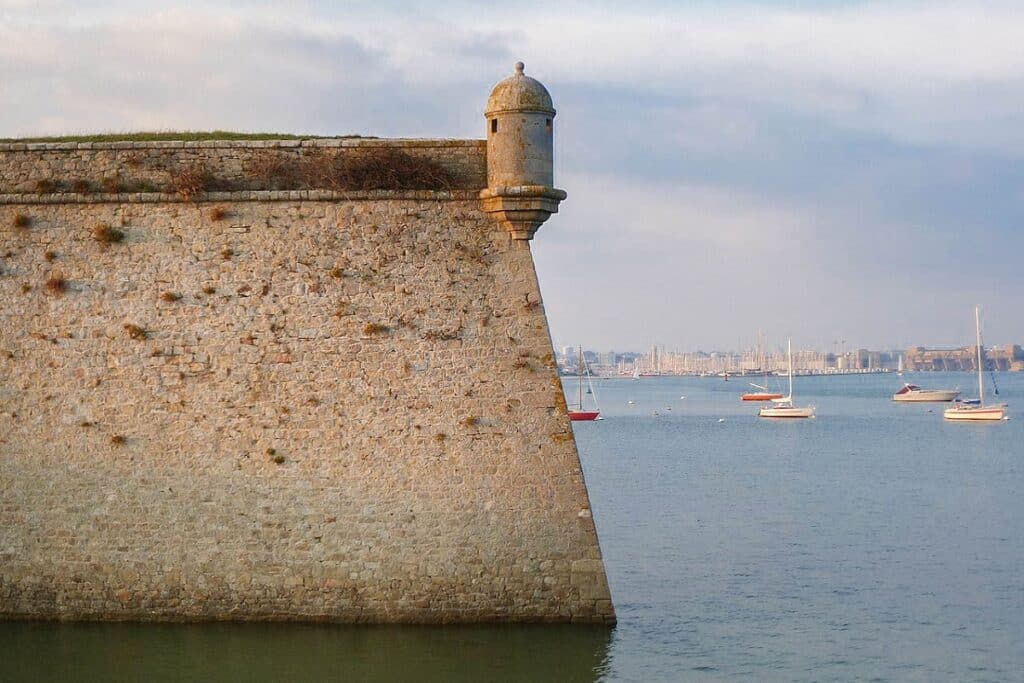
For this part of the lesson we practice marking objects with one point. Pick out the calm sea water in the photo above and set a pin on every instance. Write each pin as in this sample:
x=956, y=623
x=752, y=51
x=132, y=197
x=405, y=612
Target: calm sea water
x=873, y=543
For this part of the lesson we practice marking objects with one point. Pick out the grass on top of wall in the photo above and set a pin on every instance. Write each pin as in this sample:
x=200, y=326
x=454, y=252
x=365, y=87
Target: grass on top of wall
x=175, y=136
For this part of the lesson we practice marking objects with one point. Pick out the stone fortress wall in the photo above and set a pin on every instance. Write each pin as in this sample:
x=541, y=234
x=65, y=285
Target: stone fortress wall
x=293, y=405
x=149, y=167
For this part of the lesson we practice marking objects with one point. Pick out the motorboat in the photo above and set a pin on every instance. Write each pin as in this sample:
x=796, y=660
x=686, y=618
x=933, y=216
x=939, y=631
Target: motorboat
x=911, y=393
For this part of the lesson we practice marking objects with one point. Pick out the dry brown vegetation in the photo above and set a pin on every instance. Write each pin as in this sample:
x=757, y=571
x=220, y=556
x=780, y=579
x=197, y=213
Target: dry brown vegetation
x=22, y=221
x=135, y=332
x=170, y=297
x=56, y=285
x=363, y=169
x=218, y=213
x=104, y=234
x=190, y=181
x=375, y=328
x=366, y=169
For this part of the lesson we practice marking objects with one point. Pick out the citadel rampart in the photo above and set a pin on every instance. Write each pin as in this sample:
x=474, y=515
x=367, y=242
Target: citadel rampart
x=280, y=404
x=90, y=168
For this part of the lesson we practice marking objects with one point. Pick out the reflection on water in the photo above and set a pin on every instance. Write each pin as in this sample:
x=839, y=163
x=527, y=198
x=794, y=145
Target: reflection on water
x=299, y=652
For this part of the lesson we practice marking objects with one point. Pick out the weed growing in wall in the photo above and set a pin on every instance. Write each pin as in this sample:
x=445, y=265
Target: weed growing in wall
x=218, y=213
x=106, y=235
x=375, y=328
x=374, y=168
x=170, y=297
x=135, y=332
x=56, y=285
x=190, y=181
x=21, y=221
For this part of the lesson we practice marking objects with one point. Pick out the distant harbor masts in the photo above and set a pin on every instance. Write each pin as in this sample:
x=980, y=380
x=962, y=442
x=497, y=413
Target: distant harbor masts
x=759, y=360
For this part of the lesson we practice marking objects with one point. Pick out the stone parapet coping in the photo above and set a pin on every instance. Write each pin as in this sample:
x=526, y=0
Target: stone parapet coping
x=243, y=196
x=238, y=144
x=527, y=191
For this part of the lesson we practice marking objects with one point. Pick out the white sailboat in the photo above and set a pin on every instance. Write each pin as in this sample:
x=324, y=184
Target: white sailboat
x=783, y=407
x=976, y=411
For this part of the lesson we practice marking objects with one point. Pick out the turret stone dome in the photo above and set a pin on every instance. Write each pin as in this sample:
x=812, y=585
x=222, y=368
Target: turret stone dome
x=519, y=92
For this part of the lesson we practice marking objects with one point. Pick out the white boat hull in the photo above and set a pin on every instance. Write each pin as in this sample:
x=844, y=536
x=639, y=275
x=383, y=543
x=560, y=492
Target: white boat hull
x=785, y=412
x=927, y=396
x=975, y=413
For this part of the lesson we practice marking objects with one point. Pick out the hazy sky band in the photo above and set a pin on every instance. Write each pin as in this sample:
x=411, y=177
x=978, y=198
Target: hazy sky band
x=821, y=170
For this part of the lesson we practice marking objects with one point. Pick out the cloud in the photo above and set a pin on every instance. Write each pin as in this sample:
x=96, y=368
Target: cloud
x=627, y=265
x=712, y=151
x=927, y=73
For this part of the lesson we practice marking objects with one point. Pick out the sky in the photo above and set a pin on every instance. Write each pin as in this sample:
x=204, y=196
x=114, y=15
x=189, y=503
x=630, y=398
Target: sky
x=827, y=171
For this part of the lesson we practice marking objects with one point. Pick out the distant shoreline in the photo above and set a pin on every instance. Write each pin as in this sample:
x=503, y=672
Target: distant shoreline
x=797, y=373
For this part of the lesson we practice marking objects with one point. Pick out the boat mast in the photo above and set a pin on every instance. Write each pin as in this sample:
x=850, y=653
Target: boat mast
x=789, y=344
x=579, y=370
x=977, y=329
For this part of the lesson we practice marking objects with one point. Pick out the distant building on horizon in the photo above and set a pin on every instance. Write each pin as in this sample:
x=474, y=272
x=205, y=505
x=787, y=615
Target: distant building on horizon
x=921, y=359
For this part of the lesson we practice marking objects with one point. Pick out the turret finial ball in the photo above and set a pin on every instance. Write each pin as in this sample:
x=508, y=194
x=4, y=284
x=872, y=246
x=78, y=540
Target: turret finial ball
x=519, y=68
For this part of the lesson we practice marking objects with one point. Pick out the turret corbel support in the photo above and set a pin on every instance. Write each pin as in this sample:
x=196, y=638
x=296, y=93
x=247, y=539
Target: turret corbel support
x=521, y=208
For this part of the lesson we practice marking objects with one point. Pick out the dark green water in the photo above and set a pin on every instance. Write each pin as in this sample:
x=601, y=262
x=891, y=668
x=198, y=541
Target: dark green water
x=297, y=652
x=873, y=543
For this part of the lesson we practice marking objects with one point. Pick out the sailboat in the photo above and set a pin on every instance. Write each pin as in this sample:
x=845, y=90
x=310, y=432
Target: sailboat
x=971, y=410
x=783, y=407
x=577, y=411
x=765, y=394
